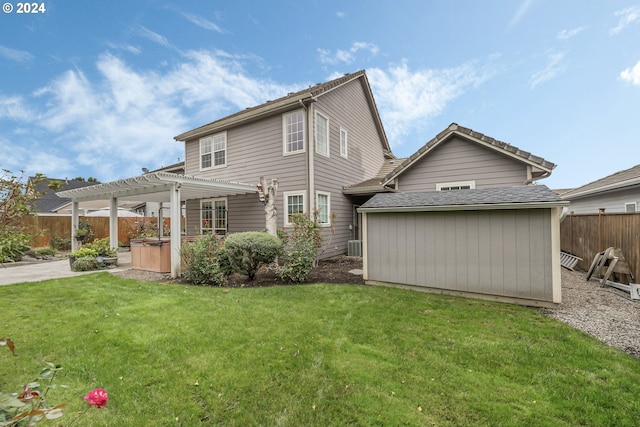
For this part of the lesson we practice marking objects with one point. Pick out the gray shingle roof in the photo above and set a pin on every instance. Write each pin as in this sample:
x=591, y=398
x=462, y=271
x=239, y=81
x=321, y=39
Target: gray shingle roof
x=49, y=201
x=621, y=179
x=529, y=194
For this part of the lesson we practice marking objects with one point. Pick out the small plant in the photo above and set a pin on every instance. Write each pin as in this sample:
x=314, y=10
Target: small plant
x=301, y=249
x=13, y=245
x=30, y=405
x=85, y=264
x=85, y=251
x=249, y=250
x=44, y=253
x=61, y=243
x=103, y=247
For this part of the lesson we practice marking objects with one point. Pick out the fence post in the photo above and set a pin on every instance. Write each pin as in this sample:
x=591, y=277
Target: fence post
x=600, y=221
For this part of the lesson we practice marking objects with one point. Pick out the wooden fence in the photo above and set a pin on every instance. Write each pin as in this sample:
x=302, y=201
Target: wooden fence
x=44, y=228
x=586, y=235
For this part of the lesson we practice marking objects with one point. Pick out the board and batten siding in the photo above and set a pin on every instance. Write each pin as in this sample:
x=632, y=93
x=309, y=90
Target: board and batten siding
x=458, y=160
x=346, y=108
x=499, y=254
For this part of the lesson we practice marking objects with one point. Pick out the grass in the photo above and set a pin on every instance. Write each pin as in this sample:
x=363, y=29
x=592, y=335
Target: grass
x=325, y=355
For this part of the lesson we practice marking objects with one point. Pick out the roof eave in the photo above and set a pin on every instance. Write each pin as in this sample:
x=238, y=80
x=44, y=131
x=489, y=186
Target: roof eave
x=618, y=186
x=476, y=207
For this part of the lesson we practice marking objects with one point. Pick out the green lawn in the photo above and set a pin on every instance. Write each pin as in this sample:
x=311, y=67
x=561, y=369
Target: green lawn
x=325, y=355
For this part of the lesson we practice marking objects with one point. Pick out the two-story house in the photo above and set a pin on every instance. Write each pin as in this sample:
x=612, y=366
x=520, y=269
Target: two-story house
x=315, y=142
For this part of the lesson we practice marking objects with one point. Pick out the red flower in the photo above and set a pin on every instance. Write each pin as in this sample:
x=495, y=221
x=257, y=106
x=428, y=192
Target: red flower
x=97, y=397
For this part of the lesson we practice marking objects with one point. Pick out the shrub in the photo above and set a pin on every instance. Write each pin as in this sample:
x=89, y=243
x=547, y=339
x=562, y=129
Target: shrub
x=44, y=252
x=201, y=261
x=301, y=249
x=61, y=243
x=86, y=263
x=103, y=247
x=247, y=251
x=85, y=251
x=13, y=245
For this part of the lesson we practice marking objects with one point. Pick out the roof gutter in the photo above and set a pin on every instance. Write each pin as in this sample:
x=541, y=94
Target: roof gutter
x=477, y=207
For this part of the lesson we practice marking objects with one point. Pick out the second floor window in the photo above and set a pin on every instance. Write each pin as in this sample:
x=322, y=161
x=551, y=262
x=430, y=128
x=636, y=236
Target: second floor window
x=322, y=134
x=293, y=131
x=343, y=142
x=213, y=151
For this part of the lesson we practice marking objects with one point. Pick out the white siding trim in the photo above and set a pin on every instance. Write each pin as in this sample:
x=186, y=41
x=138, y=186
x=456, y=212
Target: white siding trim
x=285, y=196
x=365, y=245
x=315, y=133
x=556, y=270
x=324, y=193
x=284, y=133
x=471, y=184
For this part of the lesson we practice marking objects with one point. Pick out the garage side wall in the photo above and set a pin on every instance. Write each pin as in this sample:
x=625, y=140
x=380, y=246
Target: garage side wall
x=504, y=253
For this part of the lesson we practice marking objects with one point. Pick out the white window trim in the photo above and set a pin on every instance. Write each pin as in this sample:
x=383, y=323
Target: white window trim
x=634, y=204
x=324, y=193
x=284, y=134
x=213, y=152
x=315, y=131
x=344, y=154
x=285, y=196
x=213, y=219
x=471, y=184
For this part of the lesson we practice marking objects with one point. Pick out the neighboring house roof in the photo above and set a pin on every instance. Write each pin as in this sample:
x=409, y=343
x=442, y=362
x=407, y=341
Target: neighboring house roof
x=617, y=181
x=300, y=98
x=525, y=196
x=49, y=201
x=174, y=168
x=374, y=185
x=542, y=167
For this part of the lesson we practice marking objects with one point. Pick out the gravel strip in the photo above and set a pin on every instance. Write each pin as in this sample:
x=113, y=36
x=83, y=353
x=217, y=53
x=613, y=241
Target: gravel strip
x=606, y=313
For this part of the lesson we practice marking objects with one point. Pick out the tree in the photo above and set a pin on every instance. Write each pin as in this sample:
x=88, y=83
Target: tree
x=268, y=198
x=16, y=199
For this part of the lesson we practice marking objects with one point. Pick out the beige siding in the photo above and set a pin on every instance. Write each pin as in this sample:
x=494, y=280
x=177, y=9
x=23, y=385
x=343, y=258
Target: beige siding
x=611, y=202
x=459, y=160
x=346, y=107
x=506, y=253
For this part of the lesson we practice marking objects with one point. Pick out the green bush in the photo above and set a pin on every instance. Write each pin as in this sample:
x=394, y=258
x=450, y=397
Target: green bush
x=13, y=245
x=85, y=251
x=86, y=263
x=44, y=252
x=61, y=243
x=103, y=247
x=200, y=261
x=247, y=251
x=301, y=249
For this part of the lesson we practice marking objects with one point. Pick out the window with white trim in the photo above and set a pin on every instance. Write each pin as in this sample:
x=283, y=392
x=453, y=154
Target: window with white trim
x=322, y=135
x=293, y=204
x=213, y=151
x=323, y=207
x=213, y=216
x=462, y=185
x=630, y=207
x=343, y=142
x=293, y=132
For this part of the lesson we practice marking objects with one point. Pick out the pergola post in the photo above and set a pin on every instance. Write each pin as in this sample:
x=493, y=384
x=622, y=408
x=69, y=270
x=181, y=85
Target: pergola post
x=75, y=224
x=176, y=229
x=113, y=222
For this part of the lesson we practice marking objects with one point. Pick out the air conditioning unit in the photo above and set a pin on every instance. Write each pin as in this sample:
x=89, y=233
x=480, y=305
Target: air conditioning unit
x=354, y=248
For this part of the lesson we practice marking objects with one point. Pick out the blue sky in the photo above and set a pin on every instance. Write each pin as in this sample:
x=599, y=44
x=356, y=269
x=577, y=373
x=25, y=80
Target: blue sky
x=100, y=88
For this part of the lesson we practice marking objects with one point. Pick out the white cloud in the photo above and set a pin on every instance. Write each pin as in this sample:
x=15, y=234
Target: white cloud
x=522, y=10
x=554, y=67
x=126, y=119
x=632, y=75
x=409, y=99
x=15, y=55
x=347, y=56
x=341, y=15
x=627, y=16
x=153, y=36
x=126, y=47
x=202, y=22
x=567, y=34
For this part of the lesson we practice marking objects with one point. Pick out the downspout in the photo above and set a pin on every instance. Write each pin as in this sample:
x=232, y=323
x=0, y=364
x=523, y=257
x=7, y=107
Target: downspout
x=310, y=148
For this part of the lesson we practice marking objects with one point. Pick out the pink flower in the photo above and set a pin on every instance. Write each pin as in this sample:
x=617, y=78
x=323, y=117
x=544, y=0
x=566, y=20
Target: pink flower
x=97, y=397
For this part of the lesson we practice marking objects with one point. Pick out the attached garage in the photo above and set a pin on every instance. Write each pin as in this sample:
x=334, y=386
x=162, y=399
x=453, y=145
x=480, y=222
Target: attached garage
x=498, y=243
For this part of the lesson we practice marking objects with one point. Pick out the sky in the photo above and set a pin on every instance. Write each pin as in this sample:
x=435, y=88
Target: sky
x=100, y=88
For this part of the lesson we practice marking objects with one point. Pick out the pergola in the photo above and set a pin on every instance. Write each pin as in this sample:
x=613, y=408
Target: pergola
x=158, y=187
